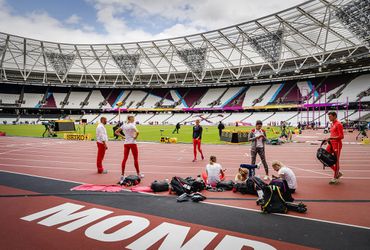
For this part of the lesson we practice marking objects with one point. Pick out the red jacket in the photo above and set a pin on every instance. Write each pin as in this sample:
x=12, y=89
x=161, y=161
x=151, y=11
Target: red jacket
x=336, y=130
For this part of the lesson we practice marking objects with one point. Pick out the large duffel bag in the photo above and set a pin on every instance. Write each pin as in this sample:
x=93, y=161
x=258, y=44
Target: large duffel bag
x=225, y=185
x=247, y=187
x=160, y=186
x=326, y=158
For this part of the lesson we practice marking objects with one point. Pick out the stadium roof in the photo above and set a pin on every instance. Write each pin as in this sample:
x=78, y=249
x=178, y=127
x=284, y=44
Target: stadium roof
x=312, y=37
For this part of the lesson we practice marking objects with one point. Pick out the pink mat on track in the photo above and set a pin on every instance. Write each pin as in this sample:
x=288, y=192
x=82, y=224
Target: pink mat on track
x=142, y=189
x=98, y=188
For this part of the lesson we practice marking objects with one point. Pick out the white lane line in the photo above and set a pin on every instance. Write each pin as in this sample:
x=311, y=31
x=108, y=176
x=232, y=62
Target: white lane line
x=289, y=215
x=39, y=176
x=311, y=171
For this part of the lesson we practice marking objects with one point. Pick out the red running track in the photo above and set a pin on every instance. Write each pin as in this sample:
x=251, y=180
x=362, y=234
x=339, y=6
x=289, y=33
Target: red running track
x=75, y=161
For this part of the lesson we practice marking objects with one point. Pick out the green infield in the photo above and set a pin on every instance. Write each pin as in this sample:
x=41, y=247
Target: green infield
x=147, y=132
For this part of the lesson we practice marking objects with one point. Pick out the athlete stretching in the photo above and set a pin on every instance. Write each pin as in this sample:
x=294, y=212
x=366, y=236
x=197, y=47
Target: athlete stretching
x=131, y=133
x=336, y=137
x=197, y=139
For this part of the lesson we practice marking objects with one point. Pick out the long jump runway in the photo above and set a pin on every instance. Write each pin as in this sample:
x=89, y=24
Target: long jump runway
x=37, y=206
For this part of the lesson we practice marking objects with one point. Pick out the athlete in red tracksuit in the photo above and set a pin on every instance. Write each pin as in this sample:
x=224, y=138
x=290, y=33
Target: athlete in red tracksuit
x=336, y=137
x=101, y=142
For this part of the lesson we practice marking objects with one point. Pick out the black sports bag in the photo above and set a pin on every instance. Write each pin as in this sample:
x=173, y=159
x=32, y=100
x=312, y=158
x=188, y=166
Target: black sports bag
x=326, y=158
x=226, y=185
x=160, y=186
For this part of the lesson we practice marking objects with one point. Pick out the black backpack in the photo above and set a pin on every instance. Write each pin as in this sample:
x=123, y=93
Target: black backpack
x=273, y=201
x=284, y=189
x=225, y=185
x=247, y=187
x=326, y=158
x=180, y=186
x=160, y=186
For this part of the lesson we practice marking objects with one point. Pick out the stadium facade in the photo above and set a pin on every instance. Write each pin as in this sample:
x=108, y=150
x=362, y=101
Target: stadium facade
x=293, y=65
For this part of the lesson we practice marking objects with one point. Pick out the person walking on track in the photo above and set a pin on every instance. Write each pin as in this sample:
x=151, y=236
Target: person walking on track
x=197, y=139
x=101, y=142
x=131, y=134
x=257, y=137
x=335, y=146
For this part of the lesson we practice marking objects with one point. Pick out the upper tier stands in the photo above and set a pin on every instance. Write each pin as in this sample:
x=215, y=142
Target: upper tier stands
x=229, y=95
x=9, y=98
x=353, y=89
x=95, y=100
x=211, y=96
x=32, y=100
x=253, y=93
x=134, y=98
x=270, y=95
x=75, y=100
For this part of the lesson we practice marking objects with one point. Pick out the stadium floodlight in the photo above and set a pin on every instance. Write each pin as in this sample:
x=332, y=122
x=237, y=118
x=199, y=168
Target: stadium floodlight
x=195, y=59
x=355, y=16
x=61, y=63
x=128, y=63
x=268, y=46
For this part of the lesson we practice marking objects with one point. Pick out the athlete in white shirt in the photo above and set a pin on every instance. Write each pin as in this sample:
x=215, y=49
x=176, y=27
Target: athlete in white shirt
x=101, y=141
x=214, y=172
x=285, y=173
x=131, y=133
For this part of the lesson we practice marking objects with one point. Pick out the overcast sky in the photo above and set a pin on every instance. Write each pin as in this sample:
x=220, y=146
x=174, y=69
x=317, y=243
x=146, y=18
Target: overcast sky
x=115, y=21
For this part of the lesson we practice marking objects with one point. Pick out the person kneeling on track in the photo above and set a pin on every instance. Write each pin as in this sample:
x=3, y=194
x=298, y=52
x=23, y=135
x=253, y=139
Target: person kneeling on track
x=214, y=172
x=286, y=174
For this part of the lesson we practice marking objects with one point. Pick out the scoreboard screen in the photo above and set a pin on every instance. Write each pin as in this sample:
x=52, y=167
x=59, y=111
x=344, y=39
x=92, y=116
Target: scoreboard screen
x=64, y=126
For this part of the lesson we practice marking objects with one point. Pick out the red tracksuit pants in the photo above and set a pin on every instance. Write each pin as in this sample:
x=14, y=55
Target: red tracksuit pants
x=197, y=145
x=335, y=148
x=100, y=157
x=135, y=153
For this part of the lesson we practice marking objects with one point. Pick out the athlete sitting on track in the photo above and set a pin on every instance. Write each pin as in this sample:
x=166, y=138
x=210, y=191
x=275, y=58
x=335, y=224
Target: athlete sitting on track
x=242, y=175
x=214, y=172
x=286, y=174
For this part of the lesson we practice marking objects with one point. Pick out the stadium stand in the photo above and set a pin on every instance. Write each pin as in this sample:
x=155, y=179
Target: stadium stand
x=160, y=118
x=76, y=99
x=95, y=101
x=236, y=117
x=211, y=98
x=353, y=89
x=270, y=95
x=178, y=117
x=228, y=96
x=254, y=93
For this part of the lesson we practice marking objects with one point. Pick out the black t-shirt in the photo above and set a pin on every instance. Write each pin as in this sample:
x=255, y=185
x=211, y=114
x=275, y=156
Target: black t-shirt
x=221, y=126
x=197, y=132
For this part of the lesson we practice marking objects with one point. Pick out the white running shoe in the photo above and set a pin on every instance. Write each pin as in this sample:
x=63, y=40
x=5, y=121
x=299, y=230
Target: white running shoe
x=266, y=178
x=259, y=165
x=141, y=176
x=122, y=180
x=333, y=181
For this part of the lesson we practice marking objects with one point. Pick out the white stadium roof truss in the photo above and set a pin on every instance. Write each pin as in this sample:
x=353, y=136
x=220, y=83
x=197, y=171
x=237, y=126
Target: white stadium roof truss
x=313, y=34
